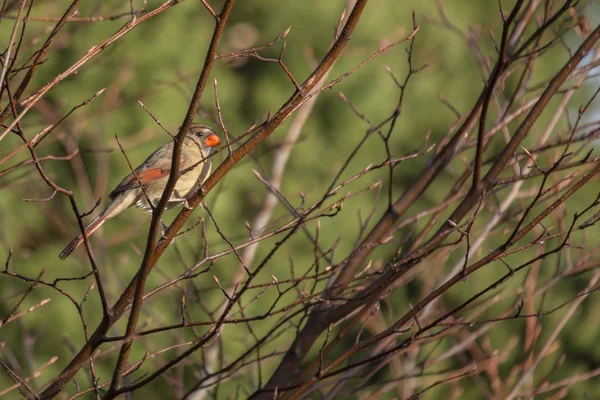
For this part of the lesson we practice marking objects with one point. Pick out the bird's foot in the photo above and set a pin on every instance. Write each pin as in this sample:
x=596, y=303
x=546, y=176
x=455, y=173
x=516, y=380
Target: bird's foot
x=164, y=237
x=181, y=200
x=163, y=232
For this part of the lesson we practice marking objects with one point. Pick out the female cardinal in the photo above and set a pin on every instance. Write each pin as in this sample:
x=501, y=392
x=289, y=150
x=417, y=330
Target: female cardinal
x=153, y=175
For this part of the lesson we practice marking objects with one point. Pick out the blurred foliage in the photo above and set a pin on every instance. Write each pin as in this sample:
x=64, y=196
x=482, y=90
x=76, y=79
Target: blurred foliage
x=158, y=63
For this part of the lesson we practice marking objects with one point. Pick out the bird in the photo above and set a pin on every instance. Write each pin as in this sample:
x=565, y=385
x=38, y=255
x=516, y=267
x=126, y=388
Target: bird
x=150, y=178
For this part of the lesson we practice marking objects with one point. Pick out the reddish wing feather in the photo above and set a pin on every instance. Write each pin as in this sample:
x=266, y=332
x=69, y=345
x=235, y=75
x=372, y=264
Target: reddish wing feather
x=144, y=176
x=149, y=175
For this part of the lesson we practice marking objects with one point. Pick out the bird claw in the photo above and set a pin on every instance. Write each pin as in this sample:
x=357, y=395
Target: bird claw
x=163, y=233
x=164, y=237
x=183, y=201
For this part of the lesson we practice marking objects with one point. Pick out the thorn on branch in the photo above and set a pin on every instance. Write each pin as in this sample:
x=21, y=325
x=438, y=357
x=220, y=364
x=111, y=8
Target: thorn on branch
x=7, y=263
x=415, y=317
x=221, y=287
x=27, y=200
x=510, y=270
x=249, y=228
x=276, y=282
x=85, y=214
x=182, y=309
x=519, y=308
x=156, y=119
x=210, y=10
x=87, y=293
x=220, y=117
x=340, y=25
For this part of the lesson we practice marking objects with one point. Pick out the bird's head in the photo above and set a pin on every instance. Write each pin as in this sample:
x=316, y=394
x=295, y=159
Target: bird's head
x=206, y=136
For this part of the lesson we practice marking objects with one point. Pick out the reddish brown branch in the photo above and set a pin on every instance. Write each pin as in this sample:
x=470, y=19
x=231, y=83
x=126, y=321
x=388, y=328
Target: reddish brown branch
x=318, y=321
x=150, y=255
x=154, y=251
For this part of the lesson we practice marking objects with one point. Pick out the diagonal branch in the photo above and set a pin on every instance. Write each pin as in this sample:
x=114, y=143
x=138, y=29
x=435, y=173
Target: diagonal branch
x=319, y=320
x=262, y=132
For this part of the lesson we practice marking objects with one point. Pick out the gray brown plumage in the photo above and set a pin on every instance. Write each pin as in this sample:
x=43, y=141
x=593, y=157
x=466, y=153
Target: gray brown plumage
x=153, y=174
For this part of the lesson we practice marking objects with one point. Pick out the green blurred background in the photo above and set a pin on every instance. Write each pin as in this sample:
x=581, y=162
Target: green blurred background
x=158, y=63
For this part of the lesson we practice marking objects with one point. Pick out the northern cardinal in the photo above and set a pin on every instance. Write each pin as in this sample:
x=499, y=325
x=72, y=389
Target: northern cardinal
x=153, y=174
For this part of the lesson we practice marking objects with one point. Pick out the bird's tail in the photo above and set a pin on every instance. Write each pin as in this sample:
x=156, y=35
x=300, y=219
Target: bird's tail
x=95, y=224
x=113, y=208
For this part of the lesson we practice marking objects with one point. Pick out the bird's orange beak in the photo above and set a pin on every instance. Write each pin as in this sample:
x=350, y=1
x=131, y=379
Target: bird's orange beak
x=212, y=140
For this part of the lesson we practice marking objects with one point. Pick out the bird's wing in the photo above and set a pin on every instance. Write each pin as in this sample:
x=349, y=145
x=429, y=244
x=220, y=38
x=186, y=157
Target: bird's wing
x=205, y=170
x=145, y=176
x=156, y=167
